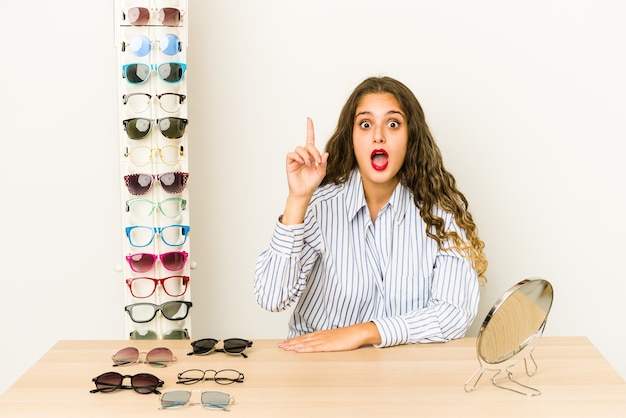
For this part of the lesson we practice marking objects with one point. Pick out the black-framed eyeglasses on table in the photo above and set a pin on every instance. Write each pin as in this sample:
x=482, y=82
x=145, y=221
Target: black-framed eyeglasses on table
x=222, y=377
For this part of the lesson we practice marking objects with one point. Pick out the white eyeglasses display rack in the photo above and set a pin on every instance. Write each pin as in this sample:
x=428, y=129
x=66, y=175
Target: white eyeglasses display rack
x=151, y=38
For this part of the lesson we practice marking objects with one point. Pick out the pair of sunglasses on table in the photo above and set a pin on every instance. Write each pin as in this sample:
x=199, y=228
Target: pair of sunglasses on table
x=235, y=346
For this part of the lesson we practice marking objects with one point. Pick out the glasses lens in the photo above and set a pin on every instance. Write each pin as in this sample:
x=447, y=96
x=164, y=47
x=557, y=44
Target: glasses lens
x=142, y=287
x=172, y=128
x=173, y=182
x=171, y=102
x=215, y=400
x=137, y=102
x=175, y=399
x=160, y=356
x=169, y=16
x=203, y=346
x=171, y=72
x=140, y=45
x=174, y=235
x=174, y=261
x=144, y=383
x=141, y=312
x=143, y=334
x=175, y=285
x=189, y=377
x=141, y=262
x=108, y=382
x=172, y=207
x=126, y=356
x=235, y=345
x=170, y=154
x=136, y=73
x=138, y=184
x=140, y=236
x=140, y=156
x=175, y=310
x=228, y=376
x=138, y=16
x=169, y=44
x=137, y=128
x=176, y=334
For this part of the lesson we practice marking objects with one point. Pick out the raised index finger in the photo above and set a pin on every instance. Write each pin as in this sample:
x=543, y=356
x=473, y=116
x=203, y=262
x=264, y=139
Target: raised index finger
x=310, y=132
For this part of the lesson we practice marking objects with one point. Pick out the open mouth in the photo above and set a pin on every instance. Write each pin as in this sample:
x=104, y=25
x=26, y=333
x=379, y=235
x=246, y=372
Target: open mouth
x=380, y=159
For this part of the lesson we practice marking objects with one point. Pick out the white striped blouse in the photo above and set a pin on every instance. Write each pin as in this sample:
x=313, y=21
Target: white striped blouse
x=340, y=269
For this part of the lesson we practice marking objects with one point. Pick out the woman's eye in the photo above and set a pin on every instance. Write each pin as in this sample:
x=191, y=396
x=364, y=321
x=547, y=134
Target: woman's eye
x=365, y=124
x=393, y=124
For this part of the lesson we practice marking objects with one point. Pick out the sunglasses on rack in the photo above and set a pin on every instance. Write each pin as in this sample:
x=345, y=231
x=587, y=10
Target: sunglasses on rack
x=223, y=377
x=141, y=45
x=174, y=310
x=140, y=16
x=143, y=262
x=208, y=399
x=148, y=334
x=158, y=357
x=144, y=287
x=139, y=73
x=142, y=155
x=143, y=383
x=173, y=235
x=171, y=127
x=140, y=183
x=234, y=346
x=140, y=102
x=143, y=208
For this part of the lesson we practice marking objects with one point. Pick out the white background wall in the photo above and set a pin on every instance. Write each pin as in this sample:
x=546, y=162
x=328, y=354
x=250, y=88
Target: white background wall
x=525, y=98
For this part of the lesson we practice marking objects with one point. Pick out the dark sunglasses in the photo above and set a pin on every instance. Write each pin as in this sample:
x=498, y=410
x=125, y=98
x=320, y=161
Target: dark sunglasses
x=171, y=127
x=143, y=383
x=233, y=346
x=175, y=310
x=158, y=357
x=139, y=183
x=168, y=72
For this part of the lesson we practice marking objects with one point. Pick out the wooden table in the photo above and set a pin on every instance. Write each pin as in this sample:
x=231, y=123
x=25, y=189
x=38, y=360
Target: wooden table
x=411, y=380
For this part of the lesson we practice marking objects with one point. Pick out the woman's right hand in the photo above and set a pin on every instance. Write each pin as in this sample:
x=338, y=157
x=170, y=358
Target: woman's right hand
x=306, y=167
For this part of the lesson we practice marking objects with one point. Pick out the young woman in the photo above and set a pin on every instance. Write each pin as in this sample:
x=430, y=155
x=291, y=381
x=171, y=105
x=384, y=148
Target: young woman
x=376, y=245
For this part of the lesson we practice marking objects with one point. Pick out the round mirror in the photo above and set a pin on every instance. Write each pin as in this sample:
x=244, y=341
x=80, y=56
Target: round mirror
x=514, y=320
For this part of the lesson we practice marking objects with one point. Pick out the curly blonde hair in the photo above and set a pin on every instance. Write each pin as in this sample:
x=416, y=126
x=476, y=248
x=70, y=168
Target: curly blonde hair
x=423, y=171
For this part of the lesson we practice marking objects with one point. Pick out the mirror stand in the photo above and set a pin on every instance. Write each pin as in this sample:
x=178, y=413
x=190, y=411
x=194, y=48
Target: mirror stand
x=507, y=381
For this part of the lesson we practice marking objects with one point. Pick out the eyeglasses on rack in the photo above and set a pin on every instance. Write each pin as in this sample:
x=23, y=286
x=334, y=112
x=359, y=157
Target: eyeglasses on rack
x=143, y=262
x=141, y=183
x=144, y=287
x=140, y=102
x=141, y=45
x=223, y=377
x=143, y=208
x=171, y=127
x=140, y=16
x=148, y=334
x=235, y=346
x=158, y=357
x=173, y=235
x=143, y=383
x=142, y=155
x=175, y=310
x=139, y=73
x=208, y=399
